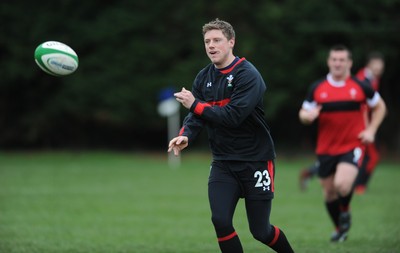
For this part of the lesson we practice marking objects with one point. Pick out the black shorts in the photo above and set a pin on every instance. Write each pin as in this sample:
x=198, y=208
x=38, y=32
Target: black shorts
x=255, y=179
x=328, y=163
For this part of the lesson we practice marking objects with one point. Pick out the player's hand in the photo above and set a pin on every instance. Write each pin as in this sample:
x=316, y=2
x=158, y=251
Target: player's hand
x=185, y=97
x=308, y=116
x=367, y=136
x=177, y=144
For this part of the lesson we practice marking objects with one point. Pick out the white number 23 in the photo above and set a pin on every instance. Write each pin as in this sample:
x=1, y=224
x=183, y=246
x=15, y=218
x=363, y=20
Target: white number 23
x=263, y=178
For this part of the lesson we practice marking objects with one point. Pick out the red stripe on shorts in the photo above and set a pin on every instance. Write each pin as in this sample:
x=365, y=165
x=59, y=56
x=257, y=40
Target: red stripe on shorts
x=271, y=174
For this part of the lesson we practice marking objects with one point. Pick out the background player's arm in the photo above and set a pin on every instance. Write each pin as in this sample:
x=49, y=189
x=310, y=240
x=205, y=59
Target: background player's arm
x=308, y=115
x=378, y=113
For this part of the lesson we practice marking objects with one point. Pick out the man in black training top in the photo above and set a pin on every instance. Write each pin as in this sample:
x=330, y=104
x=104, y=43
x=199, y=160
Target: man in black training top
x=227, y=99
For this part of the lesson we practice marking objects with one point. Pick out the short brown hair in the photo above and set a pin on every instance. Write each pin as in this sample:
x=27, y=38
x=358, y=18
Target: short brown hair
x=218, y=24
x=340, y=47
x=375, y=55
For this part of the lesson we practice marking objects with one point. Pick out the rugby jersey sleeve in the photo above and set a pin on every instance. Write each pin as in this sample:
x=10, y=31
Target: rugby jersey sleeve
x=372, y=96
x=309, y=102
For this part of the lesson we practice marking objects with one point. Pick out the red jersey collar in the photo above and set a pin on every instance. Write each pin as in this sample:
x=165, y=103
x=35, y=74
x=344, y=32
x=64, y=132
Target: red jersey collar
x=234, y=64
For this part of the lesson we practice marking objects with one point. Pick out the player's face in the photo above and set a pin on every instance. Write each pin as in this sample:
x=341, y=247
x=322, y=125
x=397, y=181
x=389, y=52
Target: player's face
x=339, y=64
x=218, y=48
x=376, y=66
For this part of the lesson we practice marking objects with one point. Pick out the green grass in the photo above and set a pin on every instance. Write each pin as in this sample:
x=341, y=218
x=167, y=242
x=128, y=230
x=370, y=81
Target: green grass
x=132, y=202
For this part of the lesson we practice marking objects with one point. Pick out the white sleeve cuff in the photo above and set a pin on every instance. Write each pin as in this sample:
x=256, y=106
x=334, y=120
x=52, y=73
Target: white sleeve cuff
x=309, y=105
x=374, y=100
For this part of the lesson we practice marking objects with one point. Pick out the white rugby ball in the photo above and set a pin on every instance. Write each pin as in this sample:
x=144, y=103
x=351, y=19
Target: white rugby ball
x=56, y=58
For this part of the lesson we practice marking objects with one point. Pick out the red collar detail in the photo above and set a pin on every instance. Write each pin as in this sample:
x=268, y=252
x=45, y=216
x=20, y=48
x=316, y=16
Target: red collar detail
x=226, y=71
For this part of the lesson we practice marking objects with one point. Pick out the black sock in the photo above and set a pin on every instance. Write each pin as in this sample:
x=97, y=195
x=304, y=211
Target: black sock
x=229, y=242
x=333, y=208
x=280, y=243
x=345, y=202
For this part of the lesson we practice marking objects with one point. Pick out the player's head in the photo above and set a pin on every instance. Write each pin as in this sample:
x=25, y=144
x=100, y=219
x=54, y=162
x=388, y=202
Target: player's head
x=376, y=63
x=339, y=62
x=219, y=40
x=221, y=25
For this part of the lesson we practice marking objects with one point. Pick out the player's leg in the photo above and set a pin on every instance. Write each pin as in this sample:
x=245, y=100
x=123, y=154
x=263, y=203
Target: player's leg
x=326, y=174
x=346, y=173
x=307, y=174
x=258, y=213
x=360, y=182
x=223, y=199
x=331, y=199
x=368, y=167
x=257, y=181
x=345, y=176
x=374, y=157
x=223, y=194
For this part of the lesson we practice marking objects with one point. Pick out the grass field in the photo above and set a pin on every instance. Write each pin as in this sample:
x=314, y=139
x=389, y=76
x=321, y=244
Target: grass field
x=108, y=202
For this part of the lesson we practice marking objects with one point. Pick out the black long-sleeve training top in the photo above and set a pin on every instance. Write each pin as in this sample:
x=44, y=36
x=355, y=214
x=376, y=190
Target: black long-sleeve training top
x=229, y=103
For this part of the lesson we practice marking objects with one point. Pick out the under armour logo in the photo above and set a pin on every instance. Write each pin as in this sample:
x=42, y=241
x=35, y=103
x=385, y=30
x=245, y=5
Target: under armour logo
x=209, y=84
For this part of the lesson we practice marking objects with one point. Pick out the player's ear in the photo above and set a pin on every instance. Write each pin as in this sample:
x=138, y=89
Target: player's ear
x=232, y=42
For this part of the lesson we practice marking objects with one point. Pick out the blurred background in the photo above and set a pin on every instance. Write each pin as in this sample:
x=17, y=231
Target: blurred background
x=131, y=50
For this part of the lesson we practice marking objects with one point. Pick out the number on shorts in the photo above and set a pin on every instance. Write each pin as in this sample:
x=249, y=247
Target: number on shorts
x=263, y=178
x=357, y=154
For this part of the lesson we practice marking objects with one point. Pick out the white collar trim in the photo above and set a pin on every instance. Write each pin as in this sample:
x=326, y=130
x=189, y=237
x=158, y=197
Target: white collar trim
x=333, y=82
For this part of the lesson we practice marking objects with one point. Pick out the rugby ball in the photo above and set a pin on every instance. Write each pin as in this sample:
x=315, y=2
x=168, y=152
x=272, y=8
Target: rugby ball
x=56, y=58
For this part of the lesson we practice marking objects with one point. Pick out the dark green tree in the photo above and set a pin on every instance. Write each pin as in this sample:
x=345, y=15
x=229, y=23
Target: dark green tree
x=130, y=50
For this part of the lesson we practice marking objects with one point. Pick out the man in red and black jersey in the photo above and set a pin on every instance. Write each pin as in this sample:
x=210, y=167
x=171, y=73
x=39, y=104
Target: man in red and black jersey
x=371, y=74
x=227, y=100
x=337, y=103
x=373, y=70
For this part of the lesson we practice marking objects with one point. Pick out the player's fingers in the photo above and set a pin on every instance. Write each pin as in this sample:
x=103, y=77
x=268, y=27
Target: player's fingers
x=179, y=95
x=365, y=138
x=171, y=143
x=178, y=141
x=361, y=135
x=361, y=138
x=176, y=151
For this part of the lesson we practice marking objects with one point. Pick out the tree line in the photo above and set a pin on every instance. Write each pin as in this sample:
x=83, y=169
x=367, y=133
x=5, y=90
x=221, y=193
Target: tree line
x=130, y=50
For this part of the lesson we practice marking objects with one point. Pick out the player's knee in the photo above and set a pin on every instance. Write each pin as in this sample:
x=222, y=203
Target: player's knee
x=330, y=194
x=221, y=222
x=264, y=235
x=343, y=189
